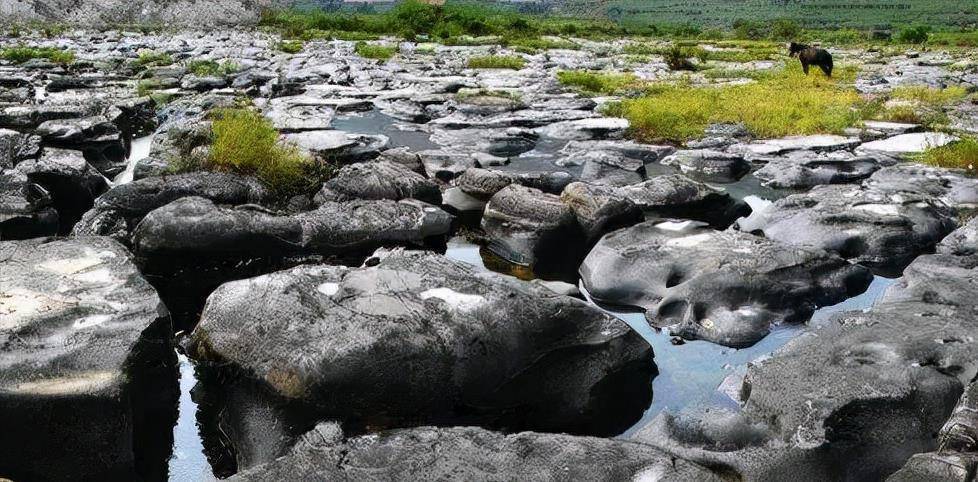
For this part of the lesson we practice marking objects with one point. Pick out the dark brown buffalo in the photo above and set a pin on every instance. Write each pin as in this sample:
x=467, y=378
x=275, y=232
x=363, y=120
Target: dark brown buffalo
x=812, y=56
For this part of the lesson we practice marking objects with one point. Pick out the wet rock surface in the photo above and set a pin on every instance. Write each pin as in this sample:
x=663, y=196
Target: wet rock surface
x=87, y=359
x=550, y=367
x=470, y=453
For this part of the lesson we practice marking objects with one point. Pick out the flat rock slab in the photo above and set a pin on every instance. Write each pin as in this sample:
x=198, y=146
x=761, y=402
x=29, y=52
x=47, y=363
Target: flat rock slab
x=884, y=230
x=415, y=336
x=955, y=187
x=906, y=144
x=818, y=143
x=469, y=453
x=726, y=287
x=586, y=129
x=86, y=358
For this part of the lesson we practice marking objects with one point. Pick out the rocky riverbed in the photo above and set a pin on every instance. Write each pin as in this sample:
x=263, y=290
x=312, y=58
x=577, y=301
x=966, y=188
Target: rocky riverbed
x=495, y=282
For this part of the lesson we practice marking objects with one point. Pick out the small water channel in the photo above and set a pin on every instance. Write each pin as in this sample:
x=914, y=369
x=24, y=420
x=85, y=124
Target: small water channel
x=139, y=151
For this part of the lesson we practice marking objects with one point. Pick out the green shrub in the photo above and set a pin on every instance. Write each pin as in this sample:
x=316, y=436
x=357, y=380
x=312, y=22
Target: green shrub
x=780, y=104
x=961, y=154
x=210, y=68
x=149, y=58
x=496, y=62
x=785, y=29
x=371, y=51
x=597, y=82
x=677, y=58
x=246, y=143
x=916, y=34
x=290, y=46
x=21, y=54
x=749, y=29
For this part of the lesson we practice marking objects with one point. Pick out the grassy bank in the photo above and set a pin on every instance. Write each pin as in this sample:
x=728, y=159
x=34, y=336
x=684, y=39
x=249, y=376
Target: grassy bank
x=782, y=103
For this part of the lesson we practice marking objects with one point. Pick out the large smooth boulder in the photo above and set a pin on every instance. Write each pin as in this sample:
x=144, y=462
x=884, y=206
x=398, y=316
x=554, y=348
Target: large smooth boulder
x=25, y=208
x=194, y=227
x=850, y=401
x=609, y=168
x=600, y=209
x=529, y=227
x=414, y=337
x=727, y=287
x=677, y=196
x=378, y=180
x=469, y=453
x=884, y=230
x=117, y=212
x=87, y=372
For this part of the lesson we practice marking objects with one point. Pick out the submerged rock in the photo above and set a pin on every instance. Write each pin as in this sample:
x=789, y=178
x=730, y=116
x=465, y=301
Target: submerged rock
x=471, y=453
x=884, y=230
x=414, y=337
x=87, y=363
x=726, y=287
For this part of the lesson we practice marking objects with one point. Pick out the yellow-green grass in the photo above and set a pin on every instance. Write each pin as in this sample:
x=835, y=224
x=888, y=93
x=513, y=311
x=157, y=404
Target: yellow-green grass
x=497, y=62
x=21, y=54
x=930, y=96
x=149, y=58
x=245, y=142
x=290, y=46
x=206, y=68
x=784, y=103
x=598, y=82
x=962, y=154
x=373, y=51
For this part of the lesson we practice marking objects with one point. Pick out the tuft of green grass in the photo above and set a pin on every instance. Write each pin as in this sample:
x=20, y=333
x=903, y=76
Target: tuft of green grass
x=962, y=154
x=21, y=54
x=372, y=51
x=930, y=96
x=465, y=94
x=497, y=62
x=597, y=82
x=783, y=103
x=290, y=46
x=210, y=68
x=149, y=58
x=147, y=87
x=245, y=142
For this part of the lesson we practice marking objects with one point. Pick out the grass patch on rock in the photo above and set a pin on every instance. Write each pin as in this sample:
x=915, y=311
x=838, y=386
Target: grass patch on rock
x=211, y=68
x=496, y=62
x=153, y=59
x=373, y=51
x=245, y=142
x=597, y=82
x=289, y=46
x=962, y=154
x=783, y=103
x=21, y=54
